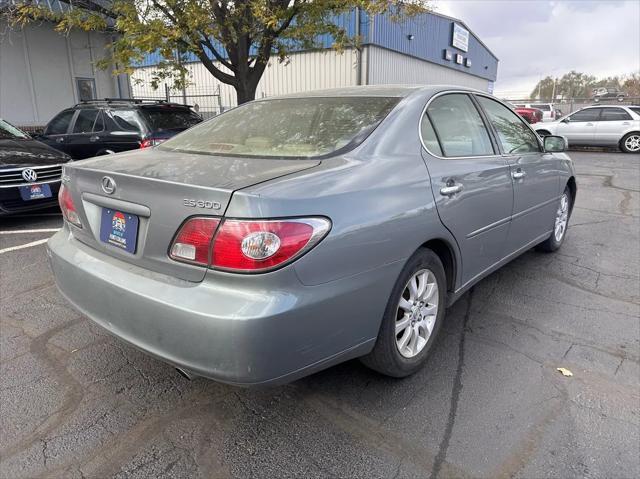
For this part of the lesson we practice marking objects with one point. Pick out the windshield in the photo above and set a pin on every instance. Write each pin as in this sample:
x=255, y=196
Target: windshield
x=170, y=118
x=10, y=131
x=289, y=127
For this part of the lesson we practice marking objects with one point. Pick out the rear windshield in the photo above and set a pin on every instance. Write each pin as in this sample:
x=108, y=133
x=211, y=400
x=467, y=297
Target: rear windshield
x=170, y=118
x=10, y=131
x=288, y=127
x=542, y=107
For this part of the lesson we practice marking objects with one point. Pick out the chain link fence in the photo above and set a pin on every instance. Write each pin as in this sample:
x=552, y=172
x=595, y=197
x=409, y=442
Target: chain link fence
x=569, y=105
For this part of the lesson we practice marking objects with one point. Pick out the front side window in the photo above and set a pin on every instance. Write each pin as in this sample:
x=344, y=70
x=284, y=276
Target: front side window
x=459, y=126
x=85, y=120
x=287, y=127
x=589, y=114
x=513, y=134
x=60, y=124
x=8, y=131
x=614, y=114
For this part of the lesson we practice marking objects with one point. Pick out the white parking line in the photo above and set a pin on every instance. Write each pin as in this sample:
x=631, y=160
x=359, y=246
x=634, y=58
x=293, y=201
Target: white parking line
x=22, y=246
x=42, y=230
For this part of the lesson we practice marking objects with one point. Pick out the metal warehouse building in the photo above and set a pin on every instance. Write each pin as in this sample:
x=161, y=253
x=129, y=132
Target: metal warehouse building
x=427, y=49
x=43, y=72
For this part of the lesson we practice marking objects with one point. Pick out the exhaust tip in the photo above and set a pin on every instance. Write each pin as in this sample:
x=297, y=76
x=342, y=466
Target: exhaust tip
x=185, y=374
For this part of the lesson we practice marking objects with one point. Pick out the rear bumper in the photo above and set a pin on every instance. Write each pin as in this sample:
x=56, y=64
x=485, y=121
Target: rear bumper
x=238, y=329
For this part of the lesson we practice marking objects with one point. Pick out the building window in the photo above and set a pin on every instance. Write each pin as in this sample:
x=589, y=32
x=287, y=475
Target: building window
x=86, y=89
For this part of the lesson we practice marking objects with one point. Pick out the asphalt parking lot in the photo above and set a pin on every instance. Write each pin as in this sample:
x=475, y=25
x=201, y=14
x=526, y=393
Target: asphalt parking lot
x=75, y=402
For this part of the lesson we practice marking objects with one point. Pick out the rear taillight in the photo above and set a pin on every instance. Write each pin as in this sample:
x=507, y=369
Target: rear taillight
x=68, y=208
x=247, y=246
x=192, y=244
x=149, y=142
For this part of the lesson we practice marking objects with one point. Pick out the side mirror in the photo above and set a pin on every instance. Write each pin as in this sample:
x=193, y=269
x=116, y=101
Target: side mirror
x=565, y=120
x=554, y=144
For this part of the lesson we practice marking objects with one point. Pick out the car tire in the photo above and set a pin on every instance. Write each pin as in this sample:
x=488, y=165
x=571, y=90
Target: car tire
x=630, y=142
x=389, y=356
x=561, y=224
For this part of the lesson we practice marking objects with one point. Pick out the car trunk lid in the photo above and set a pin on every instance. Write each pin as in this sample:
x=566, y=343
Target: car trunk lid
x=157, y=191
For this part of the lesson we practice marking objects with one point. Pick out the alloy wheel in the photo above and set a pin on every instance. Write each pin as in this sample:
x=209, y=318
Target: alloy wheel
x=632, y=143
x=416, y=313
x=562, y=218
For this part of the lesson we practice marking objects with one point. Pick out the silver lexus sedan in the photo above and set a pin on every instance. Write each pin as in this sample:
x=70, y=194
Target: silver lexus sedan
x=294, y=233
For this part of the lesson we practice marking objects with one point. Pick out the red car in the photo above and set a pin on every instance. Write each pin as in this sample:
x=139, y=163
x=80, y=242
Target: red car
x=532, y=115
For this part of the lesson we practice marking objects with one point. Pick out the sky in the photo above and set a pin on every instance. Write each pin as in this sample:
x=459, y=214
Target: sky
x=537, y=38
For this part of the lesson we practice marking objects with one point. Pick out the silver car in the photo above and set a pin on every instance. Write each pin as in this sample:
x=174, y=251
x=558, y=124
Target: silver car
x=294, y=233
x=606, y=125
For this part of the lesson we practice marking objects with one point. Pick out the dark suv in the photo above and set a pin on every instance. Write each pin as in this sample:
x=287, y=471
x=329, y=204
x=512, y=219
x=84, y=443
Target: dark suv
x=100, y=127
x=600, y=94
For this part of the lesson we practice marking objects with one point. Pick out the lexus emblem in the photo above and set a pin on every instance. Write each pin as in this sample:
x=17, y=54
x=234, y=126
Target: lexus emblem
x=29, y=175
x=108, y=185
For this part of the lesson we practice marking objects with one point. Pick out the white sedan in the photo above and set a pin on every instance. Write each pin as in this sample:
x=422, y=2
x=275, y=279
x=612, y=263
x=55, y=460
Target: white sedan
x=600, y=125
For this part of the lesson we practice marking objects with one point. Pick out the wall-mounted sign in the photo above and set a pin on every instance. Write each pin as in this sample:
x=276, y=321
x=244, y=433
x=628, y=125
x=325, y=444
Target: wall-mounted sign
x=459, y=59
x=460, y=38
x=467, y=62
x=448, y=55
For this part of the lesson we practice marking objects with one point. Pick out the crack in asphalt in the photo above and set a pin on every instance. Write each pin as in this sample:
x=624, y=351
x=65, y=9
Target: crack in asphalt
x=455, y=395
x=72, y=399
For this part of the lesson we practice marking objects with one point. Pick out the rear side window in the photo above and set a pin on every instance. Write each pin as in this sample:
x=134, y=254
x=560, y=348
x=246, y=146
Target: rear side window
x=635, y=109
x=85, y=121
x=429, y=136
x=459, y=127
x=590, y=114
x=170, y=118
x=514, y=135
x=60, y=123
x=99, y=124
x=614, y=114
x=124, y=120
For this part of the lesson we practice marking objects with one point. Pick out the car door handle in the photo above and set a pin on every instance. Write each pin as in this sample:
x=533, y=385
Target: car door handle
x=451, y=190
x=626, y=123
x=94, y=138
x=518, y=175
x=589, y=124
x=59, y=140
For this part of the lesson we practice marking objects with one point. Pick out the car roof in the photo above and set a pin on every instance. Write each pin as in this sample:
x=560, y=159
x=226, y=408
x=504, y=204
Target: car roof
x=613, y=105
x=398, y=91
x=115, y=104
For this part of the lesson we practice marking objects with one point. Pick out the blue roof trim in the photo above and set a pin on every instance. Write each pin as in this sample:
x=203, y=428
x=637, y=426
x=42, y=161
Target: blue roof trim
x=431, y=32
